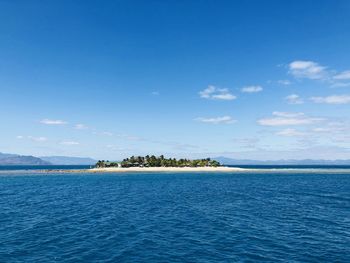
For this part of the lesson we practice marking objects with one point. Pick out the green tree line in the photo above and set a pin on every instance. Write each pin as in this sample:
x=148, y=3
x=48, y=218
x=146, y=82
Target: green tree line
x=161, y=161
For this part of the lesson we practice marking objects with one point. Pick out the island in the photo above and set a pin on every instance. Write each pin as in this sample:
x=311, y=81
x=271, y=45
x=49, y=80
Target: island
x=161, y=164
x=161, y=161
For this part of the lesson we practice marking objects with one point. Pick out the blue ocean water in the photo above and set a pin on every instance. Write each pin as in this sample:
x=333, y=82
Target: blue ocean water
x=188, y=217
x=42, y=167
x=291, y=166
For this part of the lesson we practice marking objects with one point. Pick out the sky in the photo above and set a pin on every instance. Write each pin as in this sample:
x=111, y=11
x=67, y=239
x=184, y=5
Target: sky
x=261, y=80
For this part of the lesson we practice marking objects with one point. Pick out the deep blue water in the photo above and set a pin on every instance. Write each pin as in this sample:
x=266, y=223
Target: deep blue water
x=292, y=166
x=175, y=217
x=42, y=167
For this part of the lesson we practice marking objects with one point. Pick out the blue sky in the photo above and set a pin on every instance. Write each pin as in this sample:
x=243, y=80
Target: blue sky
x=107, y=79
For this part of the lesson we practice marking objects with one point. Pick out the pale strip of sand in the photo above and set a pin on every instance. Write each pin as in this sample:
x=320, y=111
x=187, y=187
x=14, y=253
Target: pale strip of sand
x=166, y=169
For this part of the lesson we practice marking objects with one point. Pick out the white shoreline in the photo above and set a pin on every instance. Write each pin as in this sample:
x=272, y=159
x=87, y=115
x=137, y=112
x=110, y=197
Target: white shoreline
x=166, y=169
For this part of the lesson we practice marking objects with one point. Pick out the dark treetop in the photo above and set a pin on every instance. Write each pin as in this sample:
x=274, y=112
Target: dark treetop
x=161, y=161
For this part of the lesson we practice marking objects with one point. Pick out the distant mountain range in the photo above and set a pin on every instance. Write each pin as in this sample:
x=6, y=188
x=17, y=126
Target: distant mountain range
x=229, y=161
x=15, y=159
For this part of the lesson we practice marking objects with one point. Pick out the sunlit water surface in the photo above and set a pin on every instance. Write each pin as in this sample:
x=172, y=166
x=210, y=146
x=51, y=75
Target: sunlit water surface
x=174, y=217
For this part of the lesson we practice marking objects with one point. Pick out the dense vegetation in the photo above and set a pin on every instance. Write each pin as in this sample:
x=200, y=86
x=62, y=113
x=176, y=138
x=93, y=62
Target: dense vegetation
x=153, y=161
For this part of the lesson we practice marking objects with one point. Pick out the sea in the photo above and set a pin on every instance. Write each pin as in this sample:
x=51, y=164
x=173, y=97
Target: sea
x=269, y=214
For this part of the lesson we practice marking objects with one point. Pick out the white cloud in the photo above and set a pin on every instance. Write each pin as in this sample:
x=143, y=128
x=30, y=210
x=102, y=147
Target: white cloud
x=290, y=133
x=345, y=75
x=282, y=121
x=284, y=82
x=307, y=69
x=251, y=89
x=32, y=138
x=52, y=122
x=287, y=114
x=333, y=128
x=217, y=120
x=37, y=139
x=129, y=137
x=224, y=96
x=80, y=126
x=69, y=143
x=294, y=99
x=215, y=93
x=321, y=130
x=287, y=118
x=314, y=71
x=333, y=99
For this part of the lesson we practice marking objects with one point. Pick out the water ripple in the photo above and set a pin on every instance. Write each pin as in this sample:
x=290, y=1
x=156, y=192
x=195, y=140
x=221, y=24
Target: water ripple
x=175, y=218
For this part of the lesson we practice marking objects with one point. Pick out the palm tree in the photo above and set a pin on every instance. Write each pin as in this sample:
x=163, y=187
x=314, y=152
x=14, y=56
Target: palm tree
x=161, y=161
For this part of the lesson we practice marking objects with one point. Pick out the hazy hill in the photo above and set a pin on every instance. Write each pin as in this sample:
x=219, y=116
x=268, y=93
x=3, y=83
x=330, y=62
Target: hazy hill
x=12, y=159
x=5, y=155
x=229, y=161
x=16, y=159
